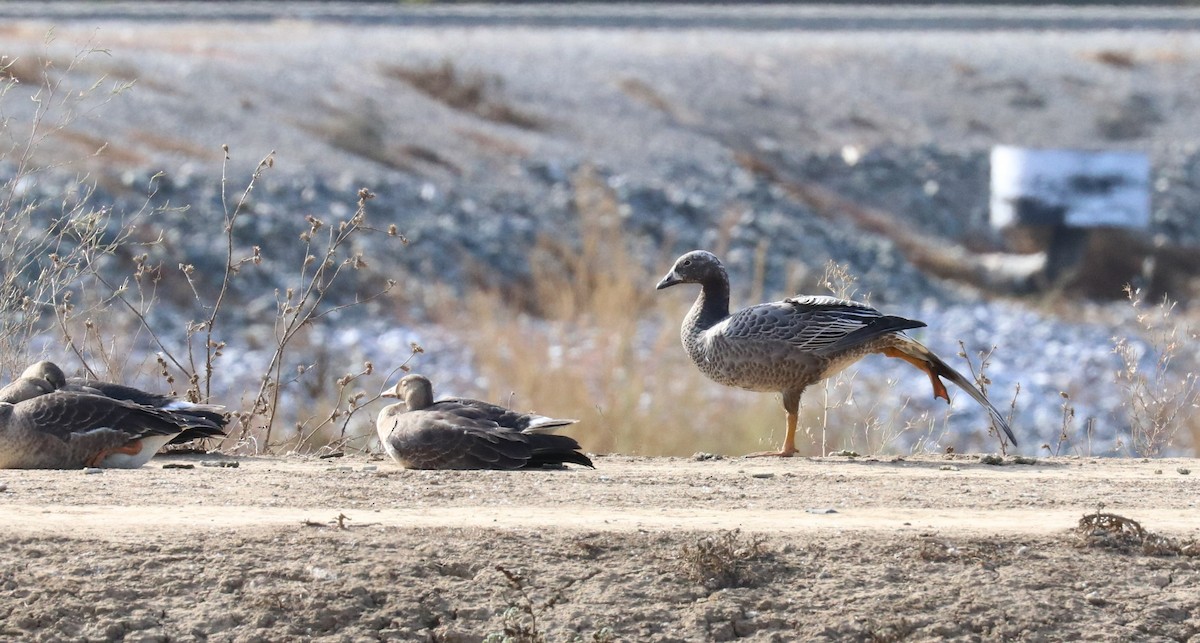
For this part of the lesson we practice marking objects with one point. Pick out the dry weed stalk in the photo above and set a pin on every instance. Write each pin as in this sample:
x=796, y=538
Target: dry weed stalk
x=983, y=381
x=1068, y=420
x=840, y=282
x=68, y=264
x=328, y=254
x=1158, y=402
x=521, y=617
x=838, y=392
x=1067, y=430
x=47, y=243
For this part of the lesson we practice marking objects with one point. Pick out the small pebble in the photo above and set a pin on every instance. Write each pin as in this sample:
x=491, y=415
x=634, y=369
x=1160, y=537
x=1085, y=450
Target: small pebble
x=1095, y=599
x=3, y=487
x=1183, y=471
x=1158, y=472
x=764, y=475
x=845, y=453
x=226, y=464
x=178, y=465
x=948, y=467
x=701, y=456
x=369, y=467
x=991, y=459
x=1160, y=580
x=91, y=470
x=827, y=510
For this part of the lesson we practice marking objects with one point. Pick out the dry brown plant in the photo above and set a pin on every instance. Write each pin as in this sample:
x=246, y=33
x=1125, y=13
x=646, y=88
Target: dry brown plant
x=1160, y=401
x=724, y=560
x=50, y=243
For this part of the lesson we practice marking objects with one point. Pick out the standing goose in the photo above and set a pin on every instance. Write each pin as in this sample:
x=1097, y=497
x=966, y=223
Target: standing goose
x=46, y=376
x=69, y=430
x=788, y=345
x=468, y=434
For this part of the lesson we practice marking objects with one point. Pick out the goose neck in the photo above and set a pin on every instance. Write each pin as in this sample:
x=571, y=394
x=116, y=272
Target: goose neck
x=712, y=305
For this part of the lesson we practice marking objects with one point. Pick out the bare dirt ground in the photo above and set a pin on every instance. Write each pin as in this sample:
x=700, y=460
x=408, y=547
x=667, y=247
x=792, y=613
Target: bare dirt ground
x=828, y=549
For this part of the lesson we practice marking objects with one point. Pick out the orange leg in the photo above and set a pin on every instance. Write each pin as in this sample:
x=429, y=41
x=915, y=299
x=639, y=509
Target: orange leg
x=789, y=441
x=130, y=448
x=939, y=389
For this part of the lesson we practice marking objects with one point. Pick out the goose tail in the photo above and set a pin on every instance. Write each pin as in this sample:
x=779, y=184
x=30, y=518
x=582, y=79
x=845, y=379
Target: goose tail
x=913, y=352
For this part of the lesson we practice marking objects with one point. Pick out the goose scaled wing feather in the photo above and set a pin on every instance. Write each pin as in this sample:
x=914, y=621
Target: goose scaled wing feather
x=205, y=420
x=214, y=412
x=810, y=324
x=447, y=437
x=508, y=449
x=65, y=415
x=499, y=415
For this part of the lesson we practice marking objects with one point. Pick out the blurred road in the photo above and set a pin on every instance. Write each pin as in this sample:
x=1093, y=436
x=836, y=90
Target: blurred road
x=635, y=16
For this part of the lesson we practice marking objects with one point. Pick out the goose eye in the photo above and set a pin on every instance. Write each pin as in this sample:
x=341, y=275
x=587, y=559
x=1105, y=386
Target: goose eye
x=688, y=262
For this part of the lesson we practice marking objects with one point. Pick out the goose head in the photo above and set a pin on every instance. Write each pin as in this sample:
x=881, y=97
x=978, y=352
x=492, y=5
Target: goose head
x=695, y=267
x=415, y=390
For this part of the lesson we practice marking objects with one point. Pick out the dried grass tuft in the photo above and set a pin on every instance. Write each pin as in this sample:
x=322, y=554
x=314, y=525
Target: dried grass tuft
x=1160, y=402
x=1112, y=531
x=726, y=560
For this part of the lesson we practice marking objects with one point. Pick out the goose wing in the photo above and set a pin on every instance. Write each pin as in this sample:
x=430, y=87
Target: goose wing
x=813, y=324
x=448, y=438
x=210, y=419
x=486, y=412
x=65, y=415
x=119, y=392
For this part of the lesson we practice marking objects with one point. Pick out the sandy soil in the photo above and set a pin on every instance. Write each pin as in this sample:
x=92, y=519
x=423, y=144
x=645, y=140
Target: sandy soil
x=828, y=549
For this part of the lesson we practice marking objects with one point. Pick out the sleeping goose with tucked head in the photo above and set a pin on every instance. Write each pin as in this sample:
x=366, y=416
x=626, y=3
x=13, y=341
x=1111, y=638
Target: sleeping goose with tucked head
x=37, y=379
x=420, y=433
x=208, y=420
x=69, y=430
x=786, y=346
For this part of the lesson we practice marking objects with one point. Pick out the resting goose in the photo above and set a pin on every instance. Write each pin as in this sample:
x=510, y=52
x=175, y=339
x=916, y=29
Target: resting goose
x=468, y=434
x=30, y=384
x=69, y=430
x=46, y=376
x=788, y=345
